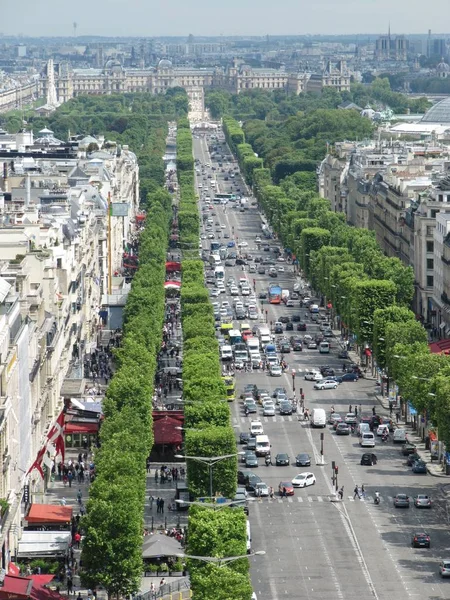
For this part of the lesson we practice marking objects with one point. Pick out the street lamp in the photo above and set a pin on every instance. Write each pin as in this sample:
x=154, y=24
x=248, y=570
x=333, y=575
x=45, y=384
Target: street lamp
x=293, y=380
x=210, y=462
x=221, y=561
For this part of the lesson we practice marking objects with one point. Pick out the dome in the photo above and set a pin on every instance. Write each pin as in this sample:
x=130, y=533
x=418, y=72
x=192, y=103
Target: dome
x=164, y=64
x=443, y=66
x=439, y=113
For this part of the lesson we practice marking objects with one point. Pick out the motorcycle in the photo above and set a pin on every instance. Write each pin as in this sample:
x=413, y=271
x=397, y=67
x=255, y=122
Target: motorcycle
x=268, y=460
x=384, y=437
x=377, y=498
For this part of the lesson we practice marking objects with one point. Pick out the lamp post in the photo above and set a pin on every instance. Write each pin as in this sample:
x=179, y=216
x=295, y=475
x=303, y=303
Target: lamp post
x=221, y=561
x=293, y=380
x=210, y=462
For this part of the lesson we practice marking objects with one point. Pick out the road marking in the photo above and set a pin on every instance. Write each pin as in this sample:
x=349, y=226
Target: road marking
x=319, y=498
x=290, y=500
x=299, y=499
x=310, y=499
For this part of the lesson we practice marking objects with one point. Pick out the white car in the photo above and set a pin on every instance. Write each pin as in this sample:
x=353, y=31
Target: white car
x=214, y=293
x=242, y=245
x=290, y=302
x=280, y=259
x=234, y=291
x=275, y=371
x=382, y=429
x=261, y=490
x=304, y=480
x=313, y=376
x=281, y=269
x=253, y=314
x=223, y=226
x=245, y=291
x=269, y=409
x=256, y=428
x=326, y=384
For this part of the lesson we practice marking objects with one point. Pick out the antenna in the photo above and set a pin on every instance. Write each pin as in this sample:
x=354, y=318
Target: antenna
x=75, y=25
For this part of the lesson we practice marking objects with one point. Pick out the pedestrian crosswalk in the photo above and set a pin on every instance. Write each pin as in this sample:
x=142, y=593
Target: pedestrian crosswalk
x=275, y=419
x=325, y=498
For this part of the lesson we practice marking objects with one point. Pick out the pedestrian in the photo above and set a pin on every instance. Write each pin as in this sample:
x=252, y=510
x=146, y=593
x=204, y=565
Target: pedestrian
x=162, y=582
x=158, y=504
x=397, y=416
x=70, y=478
x=341, y=493
x=77, y=539
x=69, y=585
x=391, y=408
x=162, y=505
x=373, y=410
x=79, y=496
x=271, y=492
x=151, y=502
x=355, y=492
x=156, y=475
x=363, y=492
x=350, y=408
x=356, y=411
x=283, y=493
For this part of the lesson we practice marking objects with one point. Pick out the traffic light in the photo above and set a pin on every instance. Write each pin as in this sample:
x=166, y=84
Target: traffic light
x=336, y=469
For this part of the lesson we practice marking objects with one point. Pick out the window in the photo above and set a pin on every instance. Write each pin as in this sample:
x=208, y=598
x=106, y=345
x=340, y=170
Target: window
x=430, y=280
x=430, y=264
x=59, y=263
x=430, y=246
x=430, y=230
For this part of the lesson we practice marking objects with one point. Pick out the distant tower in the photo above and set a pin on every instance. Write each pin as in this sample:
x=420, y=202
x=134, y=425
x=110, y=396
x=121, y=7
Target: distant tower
x=75, y=25
x=52, y=99
x=389, y=41
x=429, y=44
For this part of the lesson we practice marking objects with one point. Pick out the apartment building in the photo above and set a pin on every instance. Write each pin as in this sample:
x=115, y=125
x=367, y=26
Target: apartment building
x=62, y=214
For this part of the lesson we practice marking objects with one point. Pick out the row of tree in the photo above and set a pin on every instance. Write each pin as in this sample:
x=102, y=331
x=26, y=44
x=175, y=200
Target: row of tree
x=188, y=217
x=112, y=546
x=369, y=291
x=208, y=434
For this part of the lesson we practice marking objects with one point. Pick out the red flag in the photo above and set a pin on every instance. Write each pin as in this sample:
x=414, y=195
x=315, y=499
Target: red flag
x=38, y=462
x=56, y=436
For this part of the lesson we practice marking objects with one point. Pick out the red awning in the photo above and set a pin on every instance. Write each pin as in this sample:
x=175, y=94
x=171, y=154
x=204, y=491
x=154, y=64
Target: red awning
x=443, y=346
x=166, y=432
x=74, y=427
x=27, y=588
x=13, y=569
x=49, y=513
x=173, y=266
x=42, y=579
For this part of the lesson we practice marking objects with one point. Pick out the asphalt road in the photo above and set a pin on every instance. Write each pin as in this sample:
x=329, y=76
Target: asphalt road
x=315, y=548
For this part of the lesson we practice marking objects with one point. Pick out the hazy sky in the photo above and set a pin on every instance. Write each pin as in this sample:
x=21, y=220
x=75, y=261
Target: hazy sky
x=216, y=17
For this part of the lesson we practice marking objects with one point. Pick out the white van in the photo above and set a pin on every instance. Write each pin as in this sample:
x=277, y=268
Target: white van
x=318, y=417
x=314, y=308
x=256, y=428
x=367, y=440
x=400, y=436
x=226, y=353
x=265, y=336
x=363, y=428
x=324, y=348
x=249, y=537
x=253, y=344
x=262, y=445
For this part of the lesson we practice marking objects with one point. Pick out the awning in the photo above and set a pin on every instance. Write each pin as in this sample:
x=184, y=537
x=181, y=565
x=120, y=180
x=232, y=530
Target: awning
x=165, y=431
x=24, y=588
x=172, y=285
x=158, y=545
x=171, y=267
x=74, y=427
x=13, y=569
x=443, y=346
x=49, y=513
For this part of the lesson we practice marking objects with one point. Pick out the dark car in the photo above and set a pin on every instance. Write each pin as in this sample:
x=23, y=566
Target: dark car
x=241, y=261
x=284, y=319
x=282, y=460
x=262, y=271
x=419, y=467
x=408, y=449
x=411, y=459
x=303, y=460
x=249, y=479
x=343, y=354
x=342, y=429
x=244, y=436
x=421, y=540
x=368, y=459
x=375, y=422
x=251, y=459
x=251, y=407
x=296, y=343
x=286, y=408
x=327, y=372
x=251, y=444
x=295, y=318
x=278, y=329
x=262, y=295
x=289, y=326
x=301, y=326
x=285, y=347
x=250, y=387
x=401, y=501
x=349, y=377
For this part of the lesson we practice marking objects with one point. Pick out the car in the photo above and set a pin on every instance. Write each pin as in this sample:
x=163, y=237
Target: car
x=285, y=488
x=419, y=467
x=286, y=408
x=337, y=420
x=408, y=448
x=444, y=568
x=261, y=490
x=304, y=480
x=296, y=318
x=313, y=375
x=269, y=409
x=243, y=244
x=289, y=326
x=282, y=460
x=248, y=479
x=343, y=354
x=275, y=371
x=327, y=371
x=422, y=501
x=284, y=319
x=312, y=345
x=244, y=436
x=349, y=377
x=303, y=460
x=284, y=347
x=368, y=459
x=244, y=455
x=401, y=501
x=301, y=326
x=328, y=333
x=251, y=444
x=350, y=418
x=412, y=458
x=256, y=428
x=251, y=407
x=290, y=302
x=234, y=291
x=382, y=429
x=296, y=343
x=420, y=540
x=326, y=384
x=278, y=328
x=334, y=416
x=251, y=460
x=342, y=429
x=214, y=293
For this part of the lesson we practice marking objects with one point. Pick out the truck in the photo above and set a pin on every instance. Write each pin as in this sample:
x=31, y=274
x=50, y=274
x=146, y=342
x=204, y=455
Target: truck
x=285, y=295
x=244, y=203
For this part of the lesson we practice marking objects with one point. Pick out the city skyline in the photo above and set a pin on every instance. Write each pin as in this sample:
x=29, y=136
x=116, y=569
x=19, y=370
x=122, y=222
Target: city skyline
x=236, y=17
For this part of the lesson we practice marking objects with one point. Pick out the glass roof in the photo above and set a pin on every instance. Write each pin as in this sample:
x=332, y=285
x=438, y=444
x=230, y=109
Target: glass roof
x=439, y=113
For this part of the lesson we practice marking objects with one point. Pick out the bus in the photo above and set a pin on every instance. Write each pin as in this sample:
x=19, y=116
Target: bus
x=218, y=197
x=235, y=337
x=274, y=294
x=219, y=272
x=231, y=387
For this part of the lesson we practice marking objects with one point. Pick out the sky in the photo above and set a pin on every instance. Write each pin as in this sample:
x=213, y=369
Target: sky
x=149, y=18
